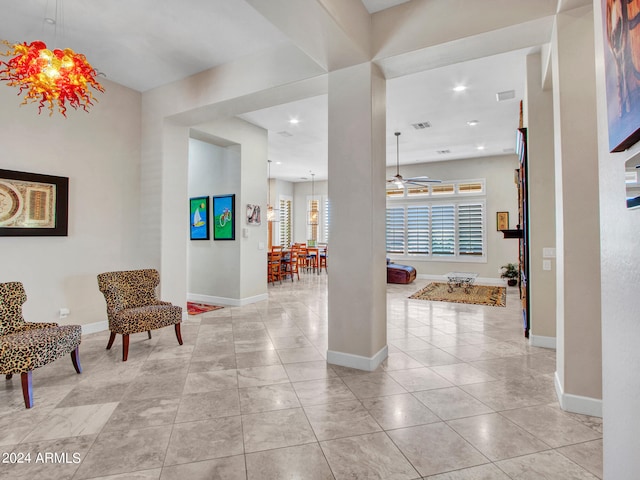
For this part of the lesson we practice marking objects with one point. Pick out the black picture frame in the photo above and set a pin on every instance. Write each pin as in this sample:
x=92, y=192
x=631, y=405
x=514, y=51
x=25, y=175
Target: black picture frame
x=502, y=221
x=33, y=204
x=224, y=217
x=199, y=218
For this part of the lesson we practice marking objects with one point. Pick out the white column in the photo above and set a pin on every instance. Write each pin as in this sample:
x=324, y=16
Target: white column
x=357, y=282
x=579, y=351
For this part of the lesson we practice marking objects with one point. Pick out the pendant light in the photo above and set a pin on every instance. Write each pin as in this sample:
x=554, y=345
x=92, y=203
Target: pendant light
x=50, y=77
x=313, y=214
x=272, y=213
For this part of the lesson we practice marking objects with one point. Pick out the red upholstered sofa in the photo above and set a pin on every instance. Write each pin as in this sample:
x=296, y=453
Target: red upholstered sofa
x=400, y=273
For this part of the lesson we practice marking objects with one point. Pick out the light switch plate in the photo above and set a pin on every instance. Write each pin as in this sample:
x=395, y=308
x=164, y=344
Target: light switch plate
x=548, y=252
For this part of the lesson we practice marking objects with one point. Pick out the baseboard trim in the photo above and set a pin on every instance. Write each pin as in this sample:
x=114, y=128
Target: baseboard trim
x=95, y=327
x=542, y=341
x=357, y=361
x=577, y=403
x=231, y=302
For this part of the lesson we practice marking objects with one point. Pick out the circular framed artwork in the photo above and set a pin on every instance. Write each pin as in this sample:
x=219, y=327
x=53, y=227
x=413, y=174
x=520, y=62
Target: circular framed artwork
x=10, y=203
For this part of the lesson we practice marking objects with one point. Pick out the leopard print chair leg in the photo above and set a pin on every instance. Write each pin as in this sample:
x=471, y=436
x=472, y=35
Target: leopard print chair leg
x=25, y=346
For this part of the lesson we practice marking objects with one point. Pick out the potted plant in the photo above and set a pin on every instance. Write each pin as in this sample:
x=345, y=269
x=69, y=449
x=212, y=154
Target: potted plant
x=511, y=272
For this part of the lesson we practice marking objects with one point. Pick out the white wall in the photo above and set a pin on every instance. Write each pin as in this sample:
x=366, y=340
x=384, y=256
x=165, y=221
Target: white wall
x=249, y=246
x=100, y=153
x=502, y=196
x=620, y=276
x=213, y=264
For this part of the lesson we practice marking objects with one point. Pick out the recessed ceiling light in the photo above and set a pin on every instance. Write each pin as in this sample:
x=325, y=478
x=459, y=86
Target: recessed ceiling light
x=50, y=21
x=473, y=123
x=294, y=121
x=459, y=88
x=480, y=147
x=278, y=163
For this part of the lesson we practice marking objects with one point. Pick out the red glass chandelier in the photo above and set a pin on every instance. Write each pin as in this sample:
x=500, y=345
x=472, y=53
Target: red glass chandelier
x=50, y=77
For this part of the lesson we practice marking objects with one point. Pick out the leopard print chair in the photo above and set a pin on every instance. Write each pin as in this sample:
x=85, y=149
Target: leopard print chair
x=25, y=346
x=133, y=307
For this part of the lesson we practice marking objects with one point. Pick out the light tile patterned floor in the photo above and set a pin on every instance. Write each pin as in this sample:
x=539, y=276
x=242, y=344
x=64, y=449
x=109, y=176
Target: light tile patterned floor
x=462, y=396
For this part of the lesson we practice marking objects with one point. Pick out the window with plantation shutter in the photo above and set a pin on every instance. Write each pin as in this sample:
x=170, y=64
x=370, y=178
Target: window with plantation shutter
x=470, y=229
x=325, y=220
x=441, y=222
x=443, y=230
x=418, y=230
x=395, y=230
x=285, y=222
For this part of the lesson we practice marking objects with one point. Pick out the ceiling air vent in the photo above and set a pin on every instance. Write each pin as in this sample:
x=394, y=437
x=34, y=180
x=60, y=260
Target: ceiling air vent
x=284, y=133
x=506, y=95
x=443, y=152
x=421, y=125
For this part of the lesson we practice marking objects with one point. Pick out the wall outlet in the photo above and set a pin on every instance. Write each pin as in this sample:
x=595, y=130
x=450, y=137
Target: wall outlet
x=260, y=245
x=64, y=312
x=546, y=265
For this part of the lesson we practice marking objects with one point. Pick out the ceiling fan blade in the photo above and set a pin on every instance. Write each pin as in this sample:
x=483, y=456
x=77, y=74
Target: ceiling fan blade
x=416, y=184
x=422, y=180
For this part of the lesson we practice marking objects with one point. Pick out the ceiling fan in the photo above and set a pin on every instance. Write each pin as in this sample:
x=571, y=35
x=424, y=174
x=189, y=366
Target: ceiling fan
x=398, y=180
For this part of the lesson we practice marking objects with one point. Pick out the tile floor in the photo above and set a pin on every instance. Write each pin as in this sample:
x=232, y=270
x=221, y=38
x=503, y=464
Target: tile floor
x=462, y=396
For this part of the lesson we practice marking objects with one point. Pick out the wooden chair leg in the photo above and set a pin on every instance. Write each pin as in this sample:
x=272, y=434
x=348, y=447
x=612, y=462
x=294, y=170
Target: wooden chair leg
x=149, y=332
x=125, y=347
x=9, y=375
x=27, y=389
x=178, y=334
x=75, y=358
x=111, y=339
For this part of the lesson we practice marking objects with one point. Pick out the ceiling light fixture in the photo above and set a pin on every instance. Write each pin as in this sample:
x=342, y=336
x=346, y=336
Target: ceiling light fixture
x=473, y=123
x=313, y=214
x=459, y=88
x=294, y=121
x=50, y=77
x=272, y=213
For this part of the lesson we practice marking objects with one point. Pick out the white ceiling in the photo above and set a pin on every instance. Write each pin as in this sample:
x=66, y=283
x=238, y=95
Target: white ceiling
x=422, y=97
x=142, y=44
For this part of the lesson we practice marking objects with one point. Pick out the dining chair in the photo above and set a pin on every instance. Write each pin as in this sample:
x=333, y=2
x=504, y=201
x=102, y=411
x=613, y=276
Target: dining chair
x=322, y=257
x=290, y=264
x=274, y=267
x=302, y=256
x=312, y=258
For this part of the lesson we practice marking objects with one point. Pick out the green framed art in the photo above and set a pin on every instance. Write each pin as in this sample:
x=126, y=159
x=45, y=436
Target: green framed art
x=224, y=217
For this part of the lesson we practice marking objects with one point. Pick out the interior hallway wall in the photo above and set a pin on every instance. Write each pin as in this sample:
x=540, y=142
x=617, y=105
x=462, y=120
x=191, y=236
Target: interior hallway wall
x=213, y=271
x=100, y=153
x=620, y=283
